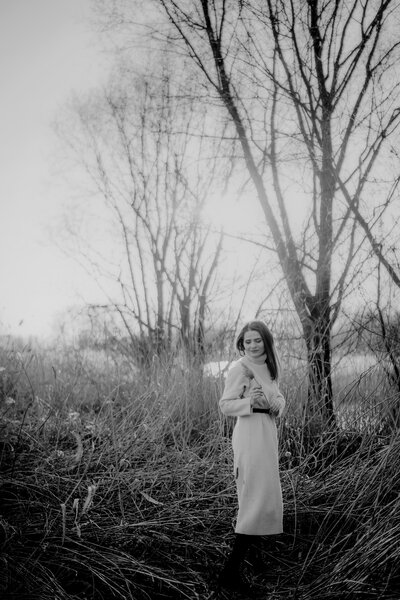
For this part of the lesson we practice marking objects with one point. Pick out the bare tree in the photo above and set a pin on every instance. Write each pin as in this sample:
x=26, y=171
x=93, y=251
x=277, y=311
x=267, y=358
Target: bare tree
x=310, y=90
x=136, y=148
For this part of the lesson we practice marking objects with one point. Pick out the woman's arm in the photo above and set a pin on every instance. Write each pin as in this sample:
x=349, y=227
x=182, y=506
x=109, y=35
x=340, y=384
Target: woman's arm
x=233, y=402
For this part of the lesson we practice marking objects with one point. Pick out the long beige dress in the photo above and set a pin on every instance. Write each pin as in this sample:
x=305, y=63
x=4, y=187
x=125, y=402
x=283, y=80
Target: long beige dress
x=255, y=448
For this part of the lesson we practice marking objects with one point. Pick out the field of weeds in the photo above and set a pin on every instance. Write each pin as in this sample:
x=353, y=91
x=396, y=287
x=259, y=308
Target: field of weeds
x=117, y=484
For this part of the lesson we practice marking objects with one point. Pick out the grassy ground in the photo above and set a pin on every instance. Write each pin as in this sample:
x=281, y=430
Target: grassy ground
x=117, y=484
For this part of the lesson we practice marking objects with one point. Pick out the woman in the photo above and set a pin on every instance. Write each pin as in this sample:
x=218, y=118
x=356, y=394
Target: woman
x=252, y=395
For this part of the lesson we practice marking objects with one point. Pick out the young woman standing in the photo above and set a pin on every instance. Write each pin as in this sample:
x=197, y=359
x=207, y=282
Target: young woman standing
x=252, y=395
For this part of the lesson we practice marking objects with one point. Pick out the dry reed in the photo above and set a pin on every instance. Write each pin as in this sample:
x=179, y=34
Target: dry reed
x=129, y=493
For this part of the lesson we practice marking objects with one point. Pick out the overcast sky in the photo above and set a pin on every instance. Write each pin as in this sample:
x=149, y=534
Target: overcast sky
x=48, y=49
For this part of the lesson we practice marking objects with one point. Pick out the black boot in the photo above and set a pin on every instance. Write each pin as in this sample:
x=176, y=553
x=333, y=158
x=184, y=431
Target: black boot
x=231, y=576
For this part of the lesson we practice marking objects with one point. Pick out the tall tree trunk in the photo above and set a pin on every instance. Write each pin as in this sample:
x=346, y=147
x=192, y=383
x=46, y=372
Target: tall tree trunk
x=200, y=333
x=317, y=335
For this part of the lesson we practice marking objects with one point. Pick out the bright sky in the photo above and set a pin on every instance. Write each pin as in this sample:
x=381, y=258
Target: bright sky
x=47, y=50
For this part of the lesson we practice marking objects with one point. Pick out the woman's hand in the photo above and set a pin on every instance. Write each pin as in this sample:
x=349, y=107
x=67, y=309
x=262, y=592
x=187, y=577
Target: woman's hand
x=258, y=398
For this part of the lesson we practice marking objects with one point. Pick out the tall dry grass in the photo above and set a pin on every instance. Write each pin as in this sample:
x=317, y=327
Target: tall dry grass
x=116, y=483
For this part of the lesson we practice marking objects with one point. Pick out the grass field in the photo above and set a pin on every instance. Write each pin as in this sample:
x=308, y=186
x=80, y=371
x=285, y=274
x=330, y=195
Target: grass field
x=116, y=483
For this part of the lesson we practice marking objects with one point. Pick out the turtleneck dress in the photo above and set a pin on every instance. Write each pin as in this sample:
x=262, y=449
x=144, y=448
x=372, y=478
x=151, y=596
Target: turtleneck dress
x=255, y=447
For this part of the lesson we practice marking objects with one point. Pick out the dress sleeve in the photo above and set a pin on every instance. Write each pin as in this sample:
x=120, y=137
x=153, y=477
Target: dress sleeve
x=233, y=402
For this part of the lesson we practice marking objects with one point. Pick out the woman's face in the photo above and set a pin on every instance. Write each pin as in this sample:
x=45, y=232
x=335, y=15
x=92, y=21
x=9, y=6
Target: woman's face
x=253, y=344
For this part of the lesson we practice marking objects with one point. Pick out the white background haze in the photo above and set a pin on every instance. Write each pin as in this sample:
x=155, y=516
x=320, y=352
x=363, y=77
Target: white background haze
x=48, y=50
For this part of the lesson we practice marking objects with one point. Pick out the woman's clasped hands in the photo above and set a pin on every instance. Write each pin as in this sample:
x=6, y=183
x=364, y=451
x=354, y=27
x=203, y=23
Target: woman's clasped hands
x=259, y=400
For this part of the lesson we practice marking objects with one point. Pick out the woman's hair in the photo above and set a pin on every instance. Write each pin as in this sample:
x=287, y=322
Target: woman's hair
x=269, y=346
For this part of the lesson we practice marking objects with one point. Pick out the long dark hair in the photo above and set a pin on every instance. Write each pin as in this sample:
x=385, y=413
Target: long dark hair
x=269, y=346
